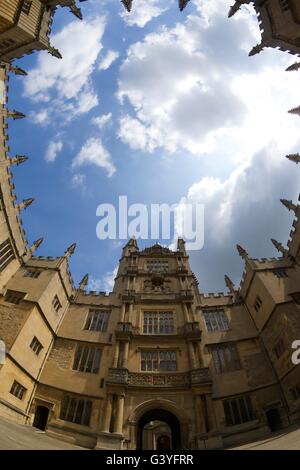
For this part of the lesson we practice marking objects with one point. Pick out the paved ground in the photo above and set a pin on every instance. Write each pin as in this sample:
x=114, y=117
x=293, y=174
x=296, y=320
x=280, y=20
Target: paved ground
x=285, y=440
x=20, y=437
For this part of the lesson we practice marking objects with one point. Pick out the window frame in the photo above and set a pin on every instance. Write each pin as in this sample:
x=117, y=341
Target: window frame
x=220, y=355
x=158, y=360
x=221, y=323
x=158, y=322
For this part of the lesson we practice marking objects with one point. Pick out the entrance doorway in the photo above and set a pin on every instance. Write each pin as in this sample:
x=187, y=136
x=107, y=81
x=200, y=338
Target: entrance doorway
x=158, y=430
x=41, y=417
x=274, y=420
x=163, y=443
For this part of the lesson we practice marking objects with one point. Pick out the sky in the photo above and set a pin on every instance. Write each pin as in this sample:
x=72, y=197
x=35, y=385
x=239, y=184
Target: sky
x=163, y=107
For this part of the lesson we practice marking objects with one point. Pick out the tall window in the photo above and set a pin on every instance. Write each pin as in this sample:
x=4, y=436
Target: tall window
x=158, y=323
x=56, y=304
x=216, y=320
x=26, y=6
x=18, y=390
x=33, y=273
x=296, y=298
x=238, y=411
x=76, y=410
x=6, y=254
x=295, y=392
x=280, y=273
x=158, y=361
x=14, y=297
x=36, y=346
x=225, y=358
x=87, y=359
x=97, y=320
x=257, y=303
x=284, y=4
x=279, y=348
x=157, y=265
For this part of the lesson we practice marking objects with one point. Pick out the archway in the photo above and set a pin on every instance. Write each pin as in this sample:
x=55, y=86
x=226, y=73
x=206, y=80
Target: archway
x=41, y=417
x=164, y=417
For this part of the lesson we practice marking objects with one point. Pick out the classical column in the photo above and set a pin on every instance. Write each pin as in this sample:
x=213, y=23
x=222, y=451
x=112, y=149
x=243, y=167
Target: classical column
x=125, y=355
x=186, y=313
x=192, y=356
x=130, y=313
x=119, y=414
x=210, y=413
x=200, y=354
x=200, y=423
x=116, y=354
x=107, y=414
x=123, y=313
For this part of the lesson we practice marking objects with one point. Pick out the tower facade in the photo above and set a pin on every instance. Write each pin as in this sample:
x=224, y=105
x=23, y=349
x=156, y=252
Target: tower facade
x=154, y=364
x=25, y=26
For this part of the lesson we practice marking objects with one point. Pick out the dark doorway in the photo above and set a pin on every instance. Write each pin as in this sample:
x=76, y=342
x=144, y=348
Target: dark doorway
x=163, y=443
x=165, y=417
x=41, y=417
x=274, y=420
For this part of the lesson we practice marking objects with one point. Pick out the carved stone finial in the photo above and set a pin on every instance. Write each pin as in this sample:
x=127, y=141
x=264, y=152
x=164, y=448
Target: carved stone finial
x=294, y=158
x=243, y=253
x=84, y=281
x=229, y=284
x=17, y=160
x=279, y=246
x=295, y=111
x=70, y=250
x=234, y=8
x=24, y=204
x=54, y=52
x=127, y=4
x=257, y=49
x=36, y=244
x=289, y=205
x=293, y=67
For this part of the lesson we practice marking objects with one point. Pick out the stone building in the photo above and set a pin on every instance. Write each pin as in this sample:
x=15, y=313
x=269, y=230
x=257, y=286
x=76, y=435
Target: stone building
x=155, y=364
x=25, y=26
x=279, y=22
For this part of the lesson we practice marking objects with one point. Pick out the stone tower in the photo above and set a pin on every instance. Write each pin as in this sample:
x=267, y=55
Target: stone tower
x=25, y=26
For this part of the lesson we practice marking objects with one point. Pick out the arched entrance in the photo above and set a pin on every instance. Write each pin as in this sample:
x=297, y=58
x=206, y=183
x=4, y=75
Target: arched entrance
x=172, y=441
x=41, y=417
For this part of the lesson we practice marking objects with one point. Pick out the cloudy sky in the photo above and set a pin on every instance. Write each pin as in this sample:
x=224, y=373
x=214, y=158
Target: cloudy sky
x=163, y=107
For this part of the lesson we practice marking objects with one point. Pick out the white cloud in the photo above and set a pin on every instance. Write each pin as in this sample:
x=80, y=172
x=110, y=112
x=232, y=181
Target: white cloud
x=108, y=60
x=94, y=153
x=105, y=283
x=69, y=78
x=102, y=121
x=53, y=149
x=144, y=11
x=79, y=181
x=194, y=88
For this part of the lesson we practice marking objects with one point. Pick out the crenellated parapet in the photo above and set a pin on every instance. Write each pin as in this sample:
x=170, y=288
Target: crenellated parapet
x=12, y=232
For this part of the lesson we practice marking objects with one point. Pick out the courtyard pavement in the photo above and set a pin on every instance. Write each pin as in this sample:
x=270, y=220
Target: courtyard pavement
x=21, y=437
x=282, y=440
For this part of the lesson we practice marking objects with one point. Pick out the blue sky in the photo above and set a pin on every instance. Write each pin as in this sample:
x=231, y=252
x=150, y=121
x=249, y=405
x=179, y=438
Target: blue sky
x=163, y=107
